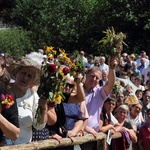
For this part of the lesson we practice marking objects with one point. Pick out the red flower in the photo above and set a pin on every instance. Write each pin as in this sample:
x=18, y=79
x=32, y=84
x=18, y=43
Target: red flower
x=51, y=68
x=66, y=70
x=10, y=97
x=51, y=104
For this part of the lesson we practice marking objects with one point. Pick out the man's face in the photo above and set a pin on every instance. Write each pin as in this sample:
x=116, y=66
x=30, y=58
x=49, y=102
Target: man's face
x=146, y=98
x=92, y=79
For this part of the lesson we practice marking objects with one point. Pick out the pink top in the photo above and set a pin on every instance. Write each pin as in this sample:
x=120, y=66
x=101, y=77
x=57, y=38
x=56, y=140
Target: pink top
x=144, y=136
x=94, y=102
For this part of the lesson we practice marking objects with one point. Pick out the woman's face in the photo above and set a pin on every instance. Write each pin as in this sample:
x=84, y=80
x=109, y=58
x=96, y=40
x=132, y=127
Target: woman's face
x=136, y=109
x=25, y=77
x=139, y=95
x=109, y=106
x=69, y=87
x=132, y=78
x=122, y=114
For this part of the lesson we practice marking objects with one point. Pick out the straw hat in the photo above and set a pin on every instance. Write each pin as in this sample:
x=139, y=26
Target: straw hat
x=27, y=62
x=131, y=100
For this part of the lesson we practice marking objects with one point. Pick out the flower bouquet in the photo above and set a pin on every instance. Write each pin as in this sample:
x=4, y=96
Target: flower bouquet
x=117, y=87
x=53, y=78
x=112, y=43
x=6, y=101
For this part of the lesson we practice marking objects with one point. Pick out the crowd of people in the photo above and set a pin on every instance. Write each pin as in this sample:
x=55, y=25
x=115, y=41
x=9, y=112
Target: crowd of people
x=113, y=97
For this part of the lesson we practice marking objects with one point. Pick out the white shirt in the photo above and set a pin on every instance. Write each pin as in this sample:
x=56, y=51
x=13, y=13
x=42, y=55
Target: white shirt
x=104, y=67
x=139, y=62
x=137, y=120
x=27, y=106
x=114, y=121
x=144, y=73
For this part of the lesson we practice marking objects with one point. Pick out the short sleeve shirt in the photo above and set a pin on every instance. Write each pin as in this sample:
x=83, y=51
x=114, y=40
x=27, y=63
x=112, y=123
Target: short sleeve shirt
x=94, y=102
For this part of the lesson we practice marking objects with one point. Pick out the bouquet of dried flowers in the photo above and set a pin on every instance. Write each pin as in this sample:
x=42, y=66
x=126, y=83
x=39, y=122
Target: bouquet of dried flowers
x=112, y=43
x=6, y=100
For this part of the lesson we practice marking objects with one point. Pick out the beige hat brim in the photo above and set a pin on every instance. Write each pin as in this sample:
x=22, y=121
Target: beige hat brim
x=15, y=67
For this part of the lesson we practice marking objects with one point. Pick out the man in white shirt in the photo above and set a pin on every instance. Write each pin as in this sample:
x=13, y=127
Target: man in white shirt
x=103, y=65
x=84, y=59
x=90, y=62
x=142, y=55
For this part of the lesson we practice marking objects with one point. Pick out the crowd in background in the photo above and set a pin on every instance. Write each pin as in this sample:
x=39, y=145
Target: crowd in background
x=91, y=105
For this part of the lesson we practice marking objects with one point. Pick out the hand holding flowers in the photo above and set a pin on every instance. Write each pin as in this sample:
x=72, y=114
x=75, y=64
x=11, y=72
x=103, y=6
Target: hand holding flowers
x=53, y=78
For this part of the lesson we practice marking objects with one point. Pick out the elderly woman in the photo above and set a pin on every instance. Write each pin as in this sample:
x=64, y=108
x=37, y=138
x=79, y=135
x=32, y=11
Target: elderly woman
x=27, y=74
x=126, y=126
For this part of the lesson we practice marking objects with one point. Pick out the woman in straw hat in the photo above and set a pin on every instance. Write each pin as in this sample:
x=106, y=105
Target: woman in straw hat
x=27, y=74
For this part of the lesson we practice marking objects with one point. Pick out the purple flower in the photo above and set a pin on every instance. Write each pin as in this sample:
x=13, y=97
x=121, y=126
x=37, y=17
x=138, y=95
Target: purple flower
x=2, y=97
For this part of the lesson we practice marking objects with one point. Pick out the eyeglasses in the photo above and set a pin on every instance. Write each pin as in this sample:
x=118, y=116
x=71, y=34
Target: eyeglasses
x=70, y=85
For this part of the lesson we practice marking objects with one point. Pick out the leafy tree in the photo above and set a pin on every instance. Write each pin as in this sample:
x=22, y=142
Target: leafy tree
x=79, y=24
x=69, y=24
x=15, y=42
x=132, y=18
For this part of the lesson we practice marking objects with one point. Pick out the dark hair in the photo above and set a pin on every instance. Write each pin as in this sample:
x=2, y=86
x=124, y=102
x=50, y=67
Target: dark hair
x=111, y=98
x=138, y=90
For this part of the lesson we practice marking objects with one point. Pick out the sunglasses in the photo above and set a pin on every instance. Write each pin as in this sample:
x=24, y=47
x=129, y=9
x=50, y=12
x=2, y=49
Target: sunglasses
x=70, y=85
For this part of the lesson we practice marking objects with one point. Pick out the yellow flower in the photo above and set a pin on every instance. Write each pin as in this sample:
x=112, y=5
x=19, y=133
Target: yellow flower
x=5, y=101
x=50, y=50
x=74, y=66
x=57, y=98
x=62, y=51
x=60, y=70
x=10, y=103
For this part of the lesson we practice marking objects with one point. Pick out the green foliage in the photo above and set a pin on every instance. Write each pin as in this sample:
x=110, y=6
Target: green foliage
x=132, y=18
x=68, y=24
x=15, y=42
x=78, y=24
